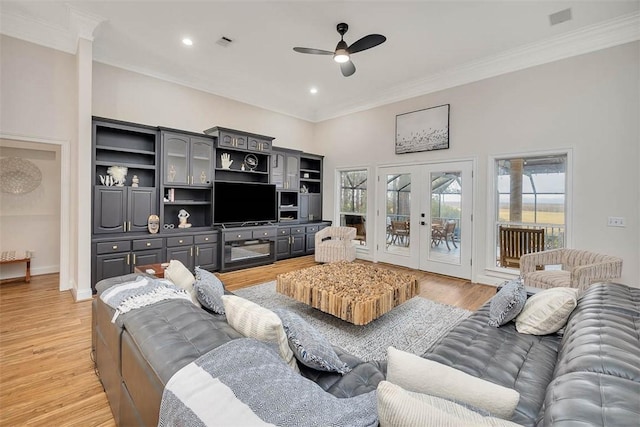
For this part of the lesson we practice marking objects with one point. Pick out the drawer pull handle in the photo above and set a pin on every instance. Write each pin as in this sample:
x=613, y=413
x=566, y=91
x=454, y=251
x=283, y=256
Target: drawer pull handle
x=148, y=243
x=115, y=247
x=265, y=233
x=206, y=239
x=180, y=241
x=239, y=235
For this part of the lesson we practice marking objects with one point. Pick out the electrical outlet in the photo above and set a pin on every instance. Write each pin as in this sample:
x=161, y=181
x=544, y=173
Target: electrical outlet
x=615, y=221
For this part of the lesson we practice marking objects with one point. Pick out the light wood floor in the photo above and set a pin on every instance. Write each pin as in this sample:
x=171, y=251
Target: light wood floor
x=46, y=373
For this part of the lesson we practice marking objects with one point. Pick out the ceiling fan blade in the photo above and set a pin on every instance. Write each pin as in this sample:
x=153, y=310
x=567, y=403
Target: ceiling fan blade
x=367, y=42
x=347, y=68
x=312, y=51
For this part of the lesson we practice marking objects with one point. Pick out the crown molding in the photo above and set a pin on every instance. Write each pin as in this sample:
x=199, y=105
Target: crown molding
x=614, y=32
x=41, y=32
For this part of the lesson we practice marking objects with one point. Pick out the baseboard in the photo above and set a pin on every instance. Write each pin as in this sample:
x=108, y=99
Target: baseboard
x=17, y=271
x=81, y=294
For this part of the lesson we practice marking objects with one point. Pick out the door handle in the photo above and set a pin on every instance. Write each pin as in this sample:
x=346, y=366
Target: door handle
x=128, y=260
x=134, y=259
x=197, y=250
x=423, y=223
x=191, y=251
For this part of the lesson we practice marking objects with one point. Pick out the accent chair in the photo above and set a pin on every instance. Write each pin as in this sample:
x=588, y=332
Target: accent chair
x=579, y=269
x=335, y=244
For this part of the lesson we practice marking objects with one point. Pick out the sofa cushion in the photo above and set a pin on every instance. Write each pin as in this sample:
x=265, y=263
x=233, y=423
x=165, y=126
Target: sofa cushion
x=546, y=278
x=309, y=346
x=524, y=363
x=254, y=321
x=547, y=312
x=171, y=334
x=507, y=303
x=591, y=399
x=209, y=290
x=180, y=275
x=416, y=374
x=398, y=407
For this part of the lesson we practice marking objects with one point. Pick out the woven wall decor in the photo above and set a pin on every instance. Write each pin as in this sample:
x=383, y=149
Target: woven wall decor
x=18, y=176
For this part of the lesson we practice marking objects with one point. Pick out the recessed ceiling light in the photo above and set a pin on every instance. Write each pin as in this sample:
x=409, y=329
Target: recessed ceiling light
x=187, y=41
x=313, y=90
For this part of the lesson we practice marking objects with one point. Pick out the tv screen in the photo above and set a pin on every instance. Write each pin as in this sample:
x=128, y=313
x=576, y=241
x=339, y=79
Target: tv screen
x=239, y=202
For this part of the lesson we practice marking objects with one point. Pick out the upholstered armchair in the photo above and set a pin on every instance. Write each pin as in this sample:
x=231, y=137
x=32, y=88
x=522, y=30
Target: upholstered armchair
x=579, y=269
x=335, y=244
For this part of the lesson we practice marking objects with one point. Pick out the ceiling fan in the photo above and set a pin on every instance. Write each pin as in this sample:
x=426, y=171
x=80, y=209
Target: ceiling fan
x=343, y=52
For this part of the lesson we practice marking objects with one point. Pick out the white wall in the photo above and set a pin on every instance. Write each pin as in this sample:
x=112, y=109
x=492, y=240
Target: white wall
x=32, y=221
x=589, y=103
x=133, y=97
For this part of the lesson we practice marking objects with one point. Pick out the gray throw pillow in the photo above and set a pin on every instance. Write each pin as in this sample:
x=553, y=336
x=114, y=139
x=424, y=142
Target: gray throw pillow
x=507, y=303
x=209, y=290
x=309, y=346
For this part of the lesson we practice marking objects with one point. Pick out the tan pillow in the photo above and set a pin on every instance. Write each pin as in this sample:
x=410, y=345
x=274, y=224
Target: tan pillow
x=254, y=321
x=413, y=373
x=398, y=407
x=547, y=311
x=180, y=276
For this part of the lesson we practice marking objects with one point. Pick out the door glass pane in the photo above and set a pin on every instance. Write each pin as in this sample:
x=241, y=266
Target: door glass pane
x=446, y=211
x=353, y=202
x=398, y=213
x=176, y=160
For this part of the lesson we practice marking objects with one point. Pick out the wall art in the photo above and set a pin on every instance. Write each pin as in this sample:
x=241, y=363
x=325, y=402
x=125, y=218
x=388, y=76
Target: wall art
x=423, y=130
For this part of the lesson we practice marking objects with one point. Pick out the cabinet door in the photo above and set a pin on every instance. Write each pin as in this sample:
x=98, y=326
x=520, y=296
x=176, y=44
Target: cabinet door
x=147, y=257
x=311, y=243
x=207, y=256
x=201, y=162
x=112, y=265
x=277, y=169
x=315, y=207
x=304, y=207
x=232, y=140
x=282, y=247
x=140, y=204
x=292, y=172
x=175, y=158
x=297, y=244
x=110, y=210
x=183, y=254
x=256, y=144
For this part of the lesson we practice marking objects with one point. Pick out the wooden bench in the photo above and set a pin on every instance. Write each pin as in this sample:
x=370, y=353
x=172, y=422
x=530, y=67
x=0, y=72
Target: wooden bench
x=515, y=242
x=9, y=257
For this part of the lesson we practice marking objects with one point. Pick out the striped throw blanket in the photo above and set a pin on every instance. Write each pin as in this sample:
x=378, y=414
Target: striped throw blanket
x=142, y=292
x=246, y=383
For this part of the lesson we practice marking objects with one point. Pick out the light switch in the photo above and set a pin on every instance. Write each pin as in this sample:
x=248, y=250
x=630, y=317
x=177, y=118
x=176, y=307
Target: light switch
x=615, y=221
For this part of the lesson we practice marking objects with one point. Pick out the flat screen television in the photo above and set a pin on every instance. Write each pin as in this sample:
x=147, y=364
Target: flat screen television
x=241, y=202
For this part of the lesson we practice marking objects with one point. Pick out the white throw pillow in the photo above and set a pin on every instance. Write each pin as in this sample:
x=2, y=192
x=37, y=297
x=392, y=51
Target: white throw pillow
x=254, y=321
x=413, y=373
x=547, y=311
x=180, y=275
x=398, y=407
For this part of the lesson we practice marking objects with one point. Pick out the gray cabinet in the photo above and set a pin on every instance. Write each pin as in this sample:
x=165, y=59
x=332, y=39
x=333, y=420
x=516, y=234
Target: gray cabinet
x=194, y=250
x=122, y=209
x=186, y=160
x=285, y=169
x=310, y=207
x=240, y=140
x=244, y=247
x=290, y=242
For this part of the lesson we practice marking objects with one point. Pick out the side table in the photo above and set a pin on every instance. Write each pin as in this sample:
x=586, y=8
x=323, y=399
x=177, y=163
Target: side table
x=158, y=270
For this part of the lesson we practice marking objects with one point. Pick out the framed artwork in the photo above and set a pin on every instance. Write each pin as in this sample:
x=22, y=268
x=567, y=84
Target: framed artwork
x=423, y=130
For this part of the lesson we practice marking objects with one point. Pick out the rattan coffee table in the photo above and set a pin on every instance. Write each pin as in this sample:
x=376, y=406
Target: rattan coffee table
x=354, y=292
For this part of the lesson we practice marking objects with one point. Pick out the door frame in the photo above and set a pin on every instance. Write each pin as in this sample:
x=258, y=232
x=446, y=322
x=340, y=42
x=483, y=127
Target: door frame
x=379, y=216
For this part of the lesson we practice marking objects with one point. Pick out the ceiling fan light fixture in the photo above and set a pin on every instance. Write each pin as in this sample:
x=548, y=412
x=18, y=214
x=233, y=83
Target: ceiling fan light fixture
x=341, y=56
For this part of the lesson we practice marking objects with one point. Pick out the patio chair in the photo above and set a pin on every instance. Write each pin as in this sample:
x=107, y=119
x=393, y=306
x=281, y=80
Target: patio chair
x=335, y=244
x=445, y=233
x=579, y=269
x=399, y=233
x=516, y=241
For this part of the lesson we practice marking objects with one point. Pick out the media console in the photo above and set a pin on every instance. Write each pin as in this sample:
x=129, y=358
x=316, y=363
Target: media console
x=248, y=246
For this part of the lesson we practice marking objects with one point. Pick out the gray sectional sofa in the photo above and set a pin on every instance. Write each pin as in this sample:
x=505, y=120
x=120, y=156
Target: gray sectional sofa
x=588, y=376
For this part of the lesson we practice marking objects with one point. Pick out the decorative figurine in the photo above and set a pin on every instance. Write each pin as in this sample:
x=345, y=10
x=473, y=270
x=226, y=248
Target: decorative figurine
x=172, y=173
x=203, y=178
x=119, y=174
x=135, y=181
x=225, y=160
x=182, y=216
x=153, y=224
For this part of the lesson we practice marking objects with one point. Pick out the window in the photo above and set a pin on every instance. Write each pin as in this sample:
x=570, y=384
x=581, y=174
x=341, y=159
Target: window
x=531, y=194
x=353, y=202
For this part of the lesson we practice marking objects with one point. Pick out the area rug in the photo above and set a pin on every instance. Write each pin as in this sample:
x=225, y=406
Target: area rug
x=414, y=326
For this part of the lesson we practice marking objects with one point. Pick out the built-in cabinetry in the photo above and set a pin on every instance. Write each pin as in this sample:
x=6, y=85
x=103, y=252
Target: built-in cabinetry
x=139, y=171
x=187, y=176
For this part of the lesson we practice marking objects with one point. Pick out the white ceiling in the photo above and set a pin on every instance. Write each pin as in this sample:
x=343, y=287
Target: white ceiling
x=430, y=45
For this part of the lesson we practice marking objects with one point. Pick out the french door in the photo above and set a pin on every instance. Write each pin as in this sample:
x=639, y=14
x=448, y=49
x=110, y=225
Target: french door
x=424, y=217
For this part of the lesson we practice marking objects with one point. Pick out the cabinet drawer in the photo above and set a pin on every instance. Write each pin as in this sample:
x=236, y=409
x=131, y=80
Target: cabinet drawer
x=262, y=234
x=205, y=238
x=232, y=140
x=179, y=241
x=298, y=230
x=284, y=231
x=312, y=228
x=110, y=247
x=230, y=236
x=143, y=244
x=261, y=145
